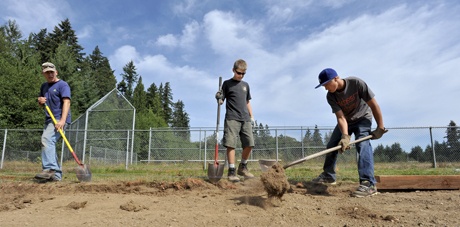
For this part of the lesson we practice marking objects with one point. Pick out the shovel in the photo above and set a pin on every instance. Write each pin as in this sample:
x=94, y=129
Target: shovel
x=267, y=164
x=83, y=172
x=216, y=170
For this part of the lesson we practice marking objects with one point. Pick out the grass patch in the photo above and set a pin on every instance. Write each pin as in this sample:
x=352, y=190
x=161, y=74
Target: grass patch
x=25, y=171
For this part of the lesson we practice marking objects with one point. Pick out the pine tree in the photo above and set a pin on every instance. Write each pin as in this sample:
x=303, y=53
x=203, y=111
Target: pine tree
x=19, y=62
x=63, y=33
x=317, y=138
x=100, y=72
x=453, y=136
x=140, y=97
x=167, y=102
x=180, y=120
x=130, y=77
x=154, y=100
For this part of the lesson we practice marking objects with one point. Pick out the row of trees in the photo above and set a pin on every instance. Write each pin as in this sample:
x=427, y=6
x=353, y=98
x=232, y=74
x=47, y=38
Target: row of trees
x=90, y=78
x=445, y=151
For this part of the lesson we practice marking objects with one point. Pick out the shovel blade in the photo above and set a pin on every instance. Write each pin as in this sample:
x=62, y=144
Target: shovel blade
x=215, y=172
x=266, y=164
x=83, y=173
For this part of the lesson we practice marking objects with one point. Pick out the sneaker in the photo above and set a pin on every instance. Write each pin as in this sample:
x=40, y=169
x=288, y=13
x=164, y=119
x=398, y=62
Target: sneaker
x=45, y=174
x=365, y=189
x=232, y=176
x=244, y=171
x=323, y=179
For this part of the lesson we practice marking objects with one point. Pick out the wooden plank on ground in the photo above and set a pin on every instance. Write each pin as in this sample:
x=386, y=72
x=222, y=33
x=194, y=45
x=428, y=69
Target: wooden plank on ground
x=435, y=182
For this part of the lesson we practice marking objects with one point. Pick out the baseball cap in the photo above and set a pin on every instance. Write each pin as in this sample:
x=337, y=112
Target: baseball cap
x=325, y=76
x=48, y=66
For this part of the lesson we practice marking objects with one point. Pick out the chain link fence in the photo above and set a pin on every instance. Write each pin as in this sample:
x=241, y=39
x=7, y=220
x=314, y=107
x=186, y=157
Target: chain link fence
x=195, y=147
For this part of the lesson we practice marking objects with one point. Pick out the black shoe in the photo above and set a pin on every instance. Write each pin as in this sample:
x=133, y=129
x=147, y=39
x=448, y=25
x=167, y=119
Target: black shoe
x=232, y=175
x=323, y=179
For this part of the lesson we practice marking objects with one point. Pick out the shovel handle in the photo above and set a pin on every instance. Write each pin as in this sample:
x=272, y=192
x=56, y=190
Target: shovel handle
x=324, y=152
x=216, y=153
x=63, y=135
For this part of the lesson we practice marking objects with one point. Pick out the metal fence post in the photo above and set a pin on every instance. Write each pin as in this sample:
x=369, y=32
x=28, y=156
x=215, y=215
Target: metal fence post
x=205, y=149
x=127, y=150
x=432, y=148
x=4, y=147
x=150, y=144
x=276, y=144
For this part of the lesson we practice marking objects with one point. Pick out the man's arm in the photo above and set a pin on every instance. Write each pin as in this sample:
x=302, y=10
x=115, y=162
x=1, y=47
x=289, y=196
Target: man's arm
x=378, y=133
x=342, y=122
x=376, y=112
x=249, y=109
x=343, y=126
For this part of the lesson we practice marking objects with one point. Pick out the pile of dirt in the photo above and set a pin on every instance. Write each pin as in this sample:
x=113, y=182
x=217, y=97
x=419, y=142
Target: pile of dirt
x=275, y=181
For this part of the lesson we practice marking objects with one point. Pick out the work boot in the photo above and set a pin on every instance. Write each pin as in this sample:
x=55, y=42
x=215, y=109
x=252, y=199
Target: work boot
x=323, y=179
x=46, y=174
x=232, y=175
x=243, y=171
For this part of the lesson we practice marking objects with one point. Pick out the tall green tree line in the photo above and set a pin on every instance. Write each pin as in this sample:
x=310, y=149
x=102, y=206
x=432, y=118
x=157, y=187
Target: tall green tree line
x=90, y=78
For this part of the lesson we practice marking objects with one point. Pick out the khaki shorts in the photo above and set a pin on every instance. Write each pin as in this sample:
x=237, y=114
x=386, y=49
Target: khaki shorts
x=234, y=129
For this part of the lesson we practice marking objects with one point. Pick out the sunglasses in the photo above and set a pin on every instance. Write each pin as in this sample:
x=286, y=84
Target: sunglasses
x=47, y=66
x=239, y=73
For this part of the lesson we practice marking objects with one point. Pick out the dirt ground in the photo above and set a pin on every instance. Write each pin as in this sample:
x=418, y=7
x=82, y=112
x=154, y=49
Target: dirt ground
x=196, y=202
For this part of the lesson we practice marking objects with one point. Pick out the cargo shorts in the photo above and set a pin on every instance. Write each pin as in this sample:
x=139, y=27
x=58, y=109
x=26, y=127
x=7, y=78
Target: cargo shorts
x=234, y=129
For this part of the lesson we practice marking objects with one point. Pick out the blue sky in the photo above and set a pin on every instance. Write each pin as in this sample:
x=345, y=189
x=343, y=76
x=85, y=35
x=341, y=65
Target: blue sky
x=407, y=51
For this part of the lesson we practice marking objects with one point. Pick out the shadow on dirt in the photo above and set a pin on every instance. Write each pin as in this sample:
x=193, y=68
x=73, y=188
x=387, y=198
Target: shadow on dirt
x=311, y=188
x=258, y=201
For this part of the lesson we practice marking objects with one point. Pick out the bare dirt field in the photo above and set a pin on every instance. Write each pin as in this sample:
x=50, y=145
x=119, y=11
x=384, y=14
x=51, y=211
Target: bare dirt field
x=196, y=202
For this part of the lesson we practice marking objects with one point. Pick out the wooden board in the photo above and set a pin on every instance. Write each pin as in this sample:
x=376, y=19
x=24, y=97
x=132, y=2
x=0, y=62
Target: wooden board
x=418, y=182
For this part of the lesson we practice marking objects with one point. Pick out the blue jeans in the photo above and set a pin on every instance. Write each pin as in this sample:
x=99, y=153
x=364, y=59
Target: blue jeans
x=49, y=155
x=361, y=129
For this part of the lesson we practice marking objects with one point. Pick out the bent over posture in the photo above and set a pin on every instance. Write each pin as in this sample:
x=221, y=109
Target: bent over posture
x=354, y=104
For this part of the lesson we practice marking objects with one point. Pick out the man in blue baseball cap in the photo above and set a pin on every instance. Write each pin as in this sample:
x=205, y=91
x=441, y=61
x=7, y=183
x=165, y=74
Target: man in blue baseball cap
x=354, y=105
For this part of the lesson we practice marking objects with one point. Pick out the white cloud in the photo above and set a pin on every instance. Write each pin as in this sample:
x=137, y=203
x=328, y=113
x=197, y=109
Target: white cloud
x=31, y=16
x=168, y=40
x=186, y=40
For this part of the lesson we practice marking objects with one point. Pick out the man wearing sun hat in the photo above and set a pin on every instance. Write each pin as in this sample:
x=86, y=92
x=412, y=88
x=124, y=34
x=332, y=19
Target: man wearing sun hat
x=353, y=104
x=56, y=94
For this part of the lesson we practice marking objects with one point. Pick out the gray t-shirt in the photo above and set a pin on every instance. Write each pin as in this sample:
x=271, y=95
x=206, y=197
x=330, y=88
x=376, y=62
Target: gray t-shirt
x=237, y=94
x=352, y=100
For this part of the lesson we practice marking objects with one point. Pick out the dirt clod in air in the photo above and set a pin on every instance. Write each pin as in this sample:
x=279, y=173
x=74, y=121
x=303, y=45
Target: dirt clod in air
x=275, y=181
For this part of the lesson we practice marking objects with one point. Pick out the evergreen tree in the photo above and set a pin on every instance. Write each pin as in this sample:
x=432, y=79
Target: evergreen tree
x=41, y=43
x=180, y=120
x=262, y=131
x=122, y=87
x=307, y=139
x=154, y=100
x=130, y=77
x=317, y=138
x=100, y=72
x=166, y=101
x=453, y=137
x=19, y=63
x=140, y=97
x=66, y=65
x=267, y=131
x=63, y=33
x=417, y=154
